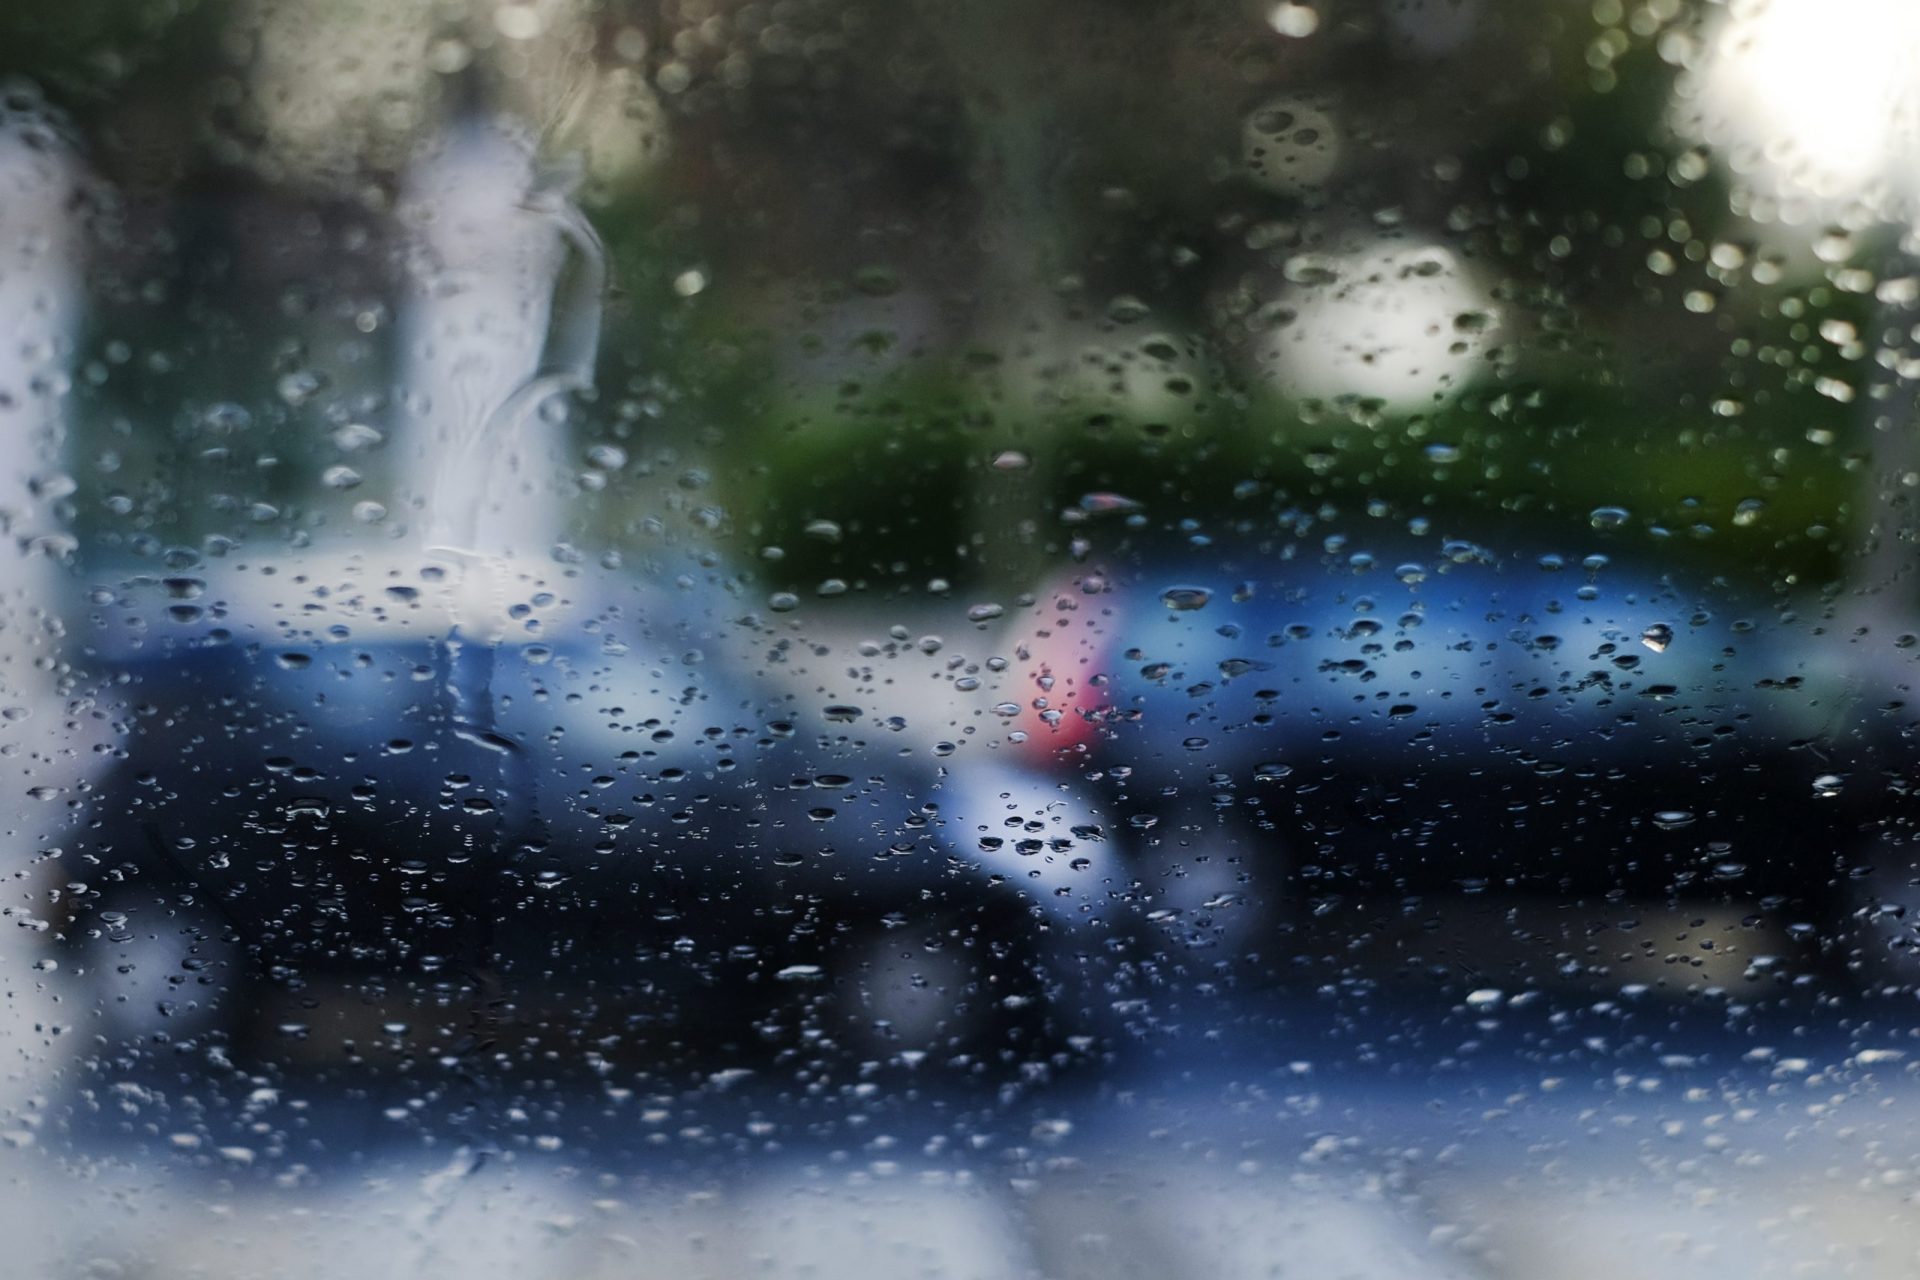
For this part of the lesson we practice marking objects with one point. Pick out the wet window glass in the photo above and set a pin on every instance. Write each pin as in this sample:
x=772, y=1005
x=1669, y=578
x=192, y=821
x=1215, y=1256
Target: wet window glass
x=1028, y=638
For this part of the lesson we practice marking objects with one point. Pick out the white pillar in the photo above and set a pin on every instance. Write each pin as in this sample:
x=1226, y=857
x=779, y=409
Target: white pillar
x=50, y=749
x=488, y=337
x=41, y=247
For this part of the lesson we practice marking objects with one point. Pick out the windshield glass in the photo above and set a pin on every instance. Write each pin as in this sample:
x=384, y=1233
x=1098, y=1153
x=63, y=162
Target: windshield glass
x=710, y=638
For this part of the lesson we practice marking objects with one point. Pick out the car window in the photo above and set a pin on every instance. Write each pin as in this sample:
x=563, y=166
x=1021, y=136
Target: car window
x=1073, y=638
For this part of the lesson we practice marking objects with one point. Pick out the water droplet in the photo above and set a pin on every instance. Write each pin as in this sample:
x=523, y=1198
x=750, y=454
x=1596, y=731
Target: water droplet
x=800, y=973
x=1095, y=504
x=355, y=437
x=300, y=386
x=224, y=419
x=877, y=281
x=1185, y=599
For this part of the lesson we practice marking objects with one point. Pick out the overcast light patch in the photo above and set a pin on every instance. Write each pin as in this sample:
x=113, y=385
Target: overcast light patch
x=1399, y=324
x=1807, y=100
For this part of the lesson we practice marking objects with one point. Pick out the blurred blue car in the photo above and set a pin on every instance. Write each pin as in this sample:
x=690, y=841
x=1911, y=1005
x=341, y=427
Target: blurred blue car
x=1357, y=714
x=339, y=831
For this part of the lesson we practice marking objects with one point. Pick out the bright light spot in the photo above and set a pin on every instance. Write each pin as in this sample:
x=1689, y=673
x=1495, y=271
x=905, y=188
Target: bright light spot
x=1296, y=20
x=1809, y=101
x=519, y=21
x=1403, y=324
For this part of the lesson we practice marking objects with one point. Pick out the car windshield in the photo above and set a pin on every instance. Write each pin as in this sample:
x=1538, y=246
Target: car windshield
x=1020, y=638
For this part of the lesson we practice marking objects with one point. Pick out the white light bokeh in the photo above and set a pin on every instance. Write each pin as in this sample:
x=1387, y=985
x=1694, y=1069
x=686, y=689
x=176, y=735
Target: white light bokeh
x=1811, y=104
x=1404, y=324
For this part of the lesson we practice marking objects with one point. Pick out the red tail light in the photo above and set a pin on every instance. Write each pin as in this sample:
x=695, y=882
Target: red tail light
x=1061, y=657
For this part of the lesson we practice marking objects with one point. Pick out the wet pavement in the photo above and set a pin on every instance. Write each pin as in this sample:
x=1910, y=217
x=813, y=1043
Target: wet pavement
x=1449, y=1136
